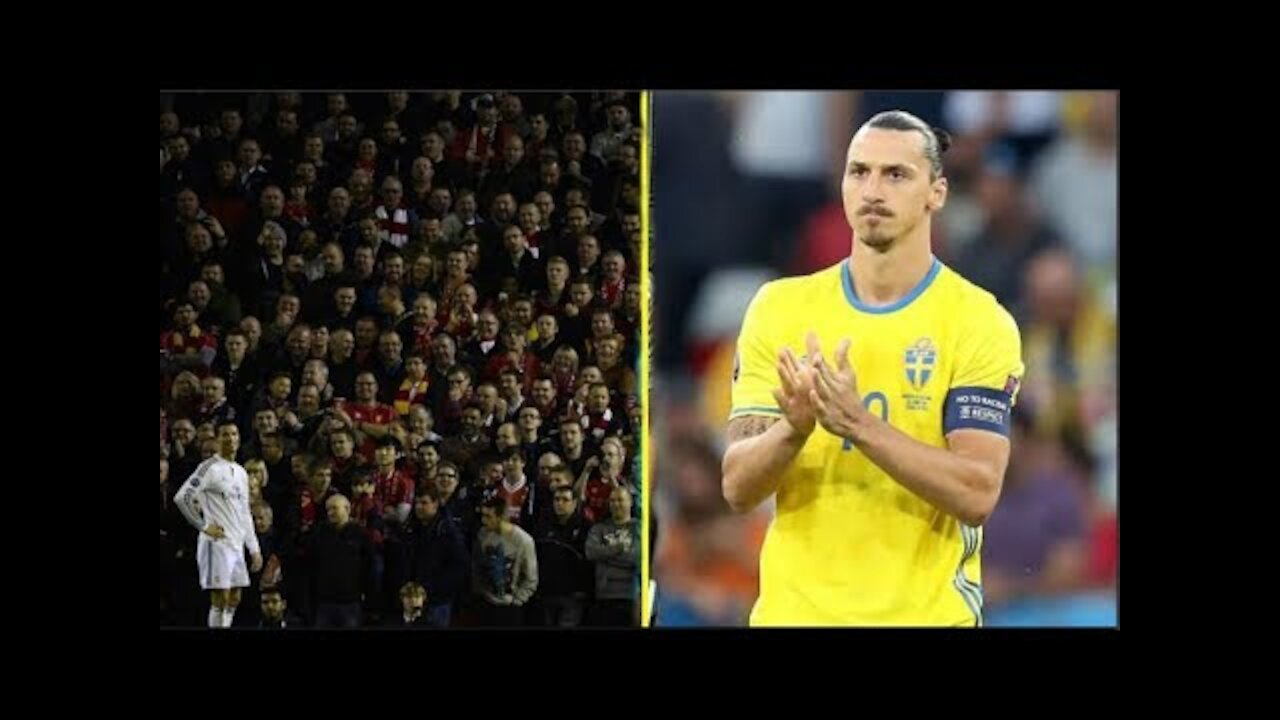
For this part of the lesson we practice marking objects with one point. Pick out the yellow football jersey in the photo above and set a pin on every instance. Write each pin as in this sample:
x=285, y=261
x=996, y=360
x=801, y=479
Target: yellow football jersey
x=848, y=545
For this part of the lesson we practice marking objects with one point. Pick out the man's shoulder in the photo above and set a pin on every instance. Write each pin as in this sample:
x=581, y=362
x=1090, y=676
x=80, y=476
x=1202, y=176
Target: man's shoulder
x=970, y=304
x=798, y=288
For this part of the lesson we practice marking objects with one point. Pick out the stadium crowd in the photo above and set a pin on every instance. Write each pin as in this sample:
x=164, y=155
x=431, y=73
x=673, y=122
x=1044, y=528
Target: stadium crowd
x=422, y=311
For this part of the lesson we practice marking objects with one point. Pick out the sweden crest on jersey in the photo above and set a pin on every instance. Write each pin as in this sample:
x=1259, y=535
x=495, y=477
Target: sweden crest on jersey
x=920, y=360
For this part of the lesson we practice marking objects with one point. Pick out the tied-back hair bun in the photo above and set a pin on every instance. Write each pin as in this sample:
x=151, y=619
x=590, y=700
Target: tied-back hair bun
x=944, y=139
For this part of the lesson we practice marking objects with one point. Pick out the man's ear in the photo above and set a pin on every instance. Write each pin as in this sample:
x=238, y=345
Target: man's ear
x=937, y=195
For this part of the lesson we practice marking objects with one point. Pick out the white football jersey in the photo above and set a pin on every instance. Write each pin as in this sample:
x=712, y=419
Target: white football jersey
x=217, y=493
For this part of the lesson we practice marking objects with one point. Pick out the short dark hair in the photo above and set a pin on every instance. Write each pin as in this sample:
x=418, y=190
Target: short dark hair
x=936, y=140
x=496, y=504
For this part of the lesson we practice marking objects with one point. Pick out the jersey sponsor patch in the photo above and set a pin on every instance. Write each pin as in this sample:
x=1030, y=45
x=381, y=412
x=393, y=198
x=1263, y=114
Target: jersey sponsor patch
x=977, y=408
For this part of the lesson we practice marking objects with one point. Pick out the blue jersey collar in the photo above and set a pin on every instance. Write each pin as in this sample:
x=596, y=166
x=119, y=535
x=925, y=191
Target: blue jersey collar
x=846, y=280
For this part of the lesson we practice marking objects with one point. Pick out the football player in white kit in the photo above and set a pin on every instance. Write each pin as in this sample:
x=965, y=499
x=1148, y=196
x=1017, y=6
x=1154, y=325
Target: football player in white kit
x=215, y=500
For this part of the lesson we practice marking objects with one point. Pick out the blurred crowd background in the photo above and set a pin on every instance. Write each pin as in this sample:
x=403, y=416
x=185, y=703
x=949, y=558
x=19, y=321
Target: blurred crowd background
x=422, y=311
x=746, y=188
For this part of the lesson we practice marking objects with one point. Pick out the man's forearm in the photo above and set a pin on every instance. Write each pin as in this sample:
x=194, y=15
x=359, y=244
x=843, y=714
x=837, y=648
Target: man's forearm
x=374, y=430
x=754, y=463
x=961, y=486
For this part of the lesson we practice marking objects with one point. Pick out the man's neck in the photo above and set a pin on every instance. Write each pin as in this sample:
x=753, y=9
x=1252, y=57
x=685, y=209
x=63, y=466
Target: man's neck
x=386, y=469
x=234, y=362
x=883, y=278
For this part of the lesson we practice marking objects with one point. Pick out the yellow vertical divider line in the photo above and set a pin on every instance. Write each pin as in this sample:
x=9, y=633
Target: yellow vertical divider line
x=646, y=295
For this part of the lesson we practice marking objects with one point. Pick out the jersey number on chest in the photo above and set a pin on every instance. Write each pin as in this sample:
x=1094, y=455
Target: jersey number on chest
x=876, y=398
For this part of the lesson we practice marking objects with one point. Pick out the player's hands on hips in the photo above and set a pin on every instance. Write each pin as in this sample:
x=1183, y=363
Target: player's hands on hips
x=797, y=377
x=255, y=562
x=215, y=531
x=835, y=390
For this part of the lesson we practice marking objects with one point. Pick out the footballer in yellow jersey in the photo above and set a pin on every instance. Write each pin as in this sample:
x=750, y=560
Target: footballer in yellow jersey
x=874, y=399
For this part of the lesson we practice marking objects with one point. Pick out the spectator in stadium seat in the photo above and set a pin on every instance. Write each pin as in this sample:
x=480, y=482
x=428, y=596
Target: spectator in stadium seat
x=416, y=331
x=455, y=498
x=600, y=419
x=252, y=334
x=600, y=475
x=602, y=327
x=369, y=417
x=606, y=143
x=515, y=488
x=413, y=599
x=484, y=345
x=620, y=378
x=215, y=408
x=223, y=306
x=360, y=186
x=444, y=351
x=366, y=341
x=439, y=207
x=226, y=201
x=504, y=566
x=573, y=448
x=588, y=259
x=340, y=558
x=1013, y=234
x=612, y=279
x=1035, y=541
x=412, y=390
x=462, y=448
x=554, y=297
x=395, y=220
x=421, y=424
x=251, y=175
x=536, y=137
x=613, y=544
x=578, y=163
x=183, y=448
x=513, y=174
x=315, y=492
x=420, y=185
x=575, y=325
x=518, y=262
x=435, y=555
x=463, y=217
x=564, y=375
x=511, y=393
x=389, y=367
x=565, y=576
x=264, y=272
x=274, y=554
x=335, y=106
x=187, y=346
x=514, y=355
x=279, y=487
x=342, y=363
x=275, y=611
x=339, y=224
x=306, y=418
x=347, y=465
